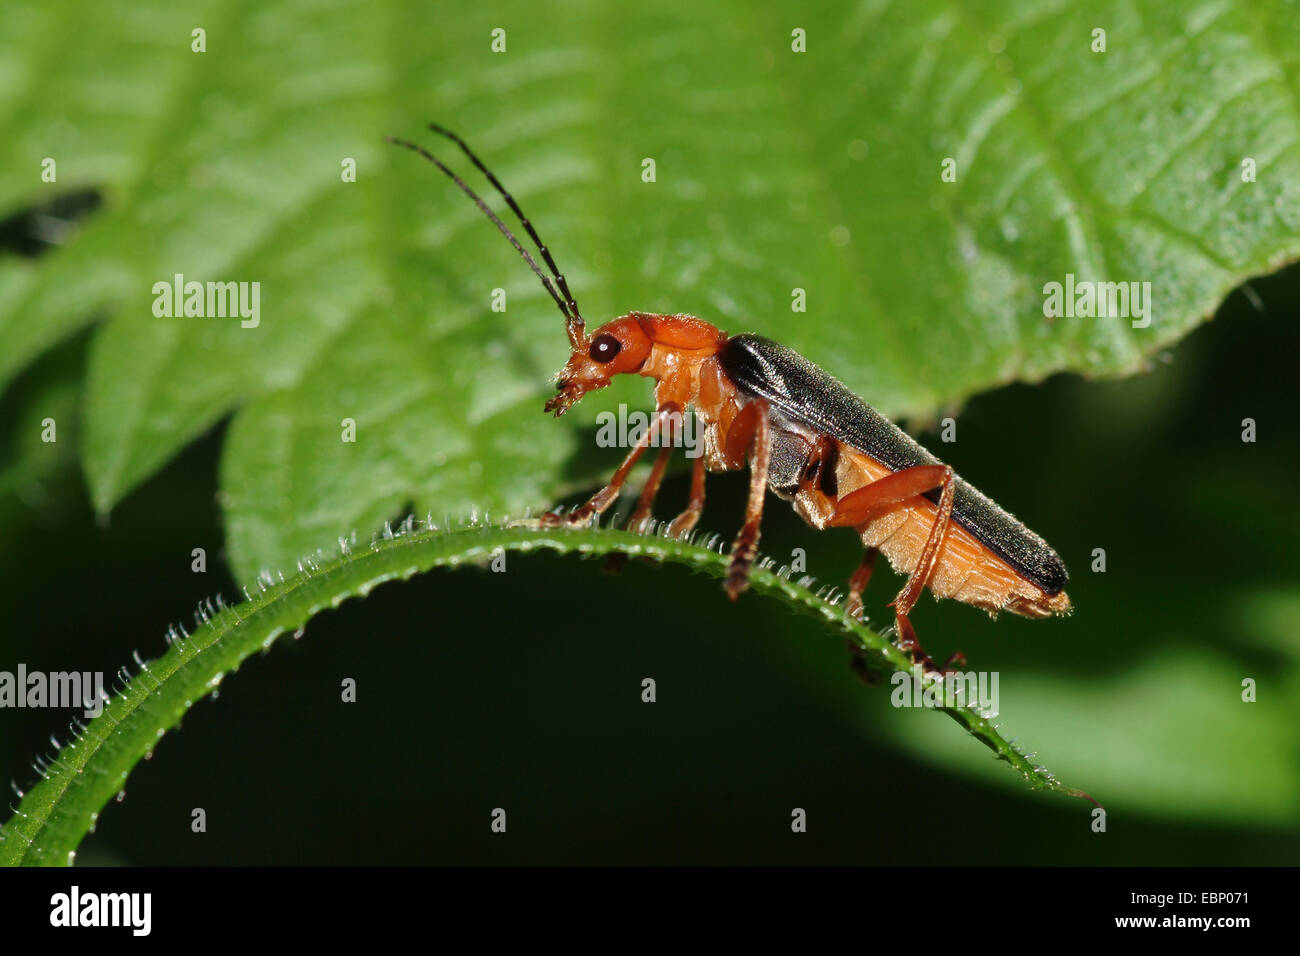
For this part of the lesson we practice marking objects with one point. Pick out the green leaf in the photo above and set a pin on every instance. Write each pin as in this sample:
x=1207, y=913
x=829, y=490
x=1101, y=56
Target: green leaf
x=39, y=428
x=1170, y=736
x=775, y=170
x=56, y=814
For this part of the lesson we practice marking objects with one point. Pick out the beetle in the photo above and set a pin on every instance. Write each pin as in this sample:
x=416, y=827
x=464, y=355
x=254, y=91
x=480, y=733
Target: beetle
x=805, y=436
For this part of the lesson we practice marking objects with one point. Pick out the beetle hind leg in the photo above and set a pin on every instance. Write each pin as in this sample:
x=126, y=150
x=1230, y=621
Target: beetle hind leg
x=860, y=507
x=920, y=576
x=907, y=642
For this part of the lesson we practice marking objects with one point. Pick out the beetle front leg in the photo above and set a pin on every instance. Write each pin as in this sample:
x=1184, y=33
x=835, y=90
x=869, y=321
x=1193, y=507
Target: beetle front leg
x=749, y=429
x=601, y=500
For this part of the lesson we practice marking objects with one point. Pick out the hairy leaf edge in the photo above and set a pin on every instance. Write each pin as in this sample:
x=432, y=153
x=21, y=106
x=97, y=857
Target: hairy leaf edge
x=76, y=782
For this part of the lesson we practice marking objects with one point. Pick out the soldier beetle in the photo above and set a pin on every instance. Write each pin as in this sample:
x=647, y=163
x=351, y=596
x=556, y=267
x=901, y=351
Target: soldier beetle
x=806, y=437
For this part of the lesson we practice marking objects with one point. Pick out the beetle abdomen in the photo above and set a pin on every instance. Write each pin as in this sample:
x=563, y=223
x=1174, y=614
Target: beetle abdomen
x=806, y=393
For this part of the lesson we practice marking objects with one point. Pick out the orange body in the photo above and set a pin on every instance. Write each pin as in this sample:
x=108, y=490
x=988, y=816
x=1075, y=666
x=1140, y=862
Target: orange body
x=680, y=353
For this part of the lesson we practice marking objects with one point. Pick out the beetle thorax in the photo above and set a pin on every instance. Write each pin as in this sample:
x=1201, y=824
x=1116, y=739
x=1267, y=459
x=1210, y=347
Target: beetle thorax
x=676, y=373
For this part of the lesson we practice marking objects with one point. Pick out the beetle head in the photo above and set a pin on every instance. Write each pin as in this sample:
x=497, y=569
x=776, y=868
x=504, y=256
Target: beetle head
x=616, y=348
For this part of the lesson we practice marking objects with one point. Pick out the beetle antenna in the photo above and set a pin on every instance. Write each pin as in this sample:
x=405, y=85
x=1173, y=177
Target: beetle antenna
x=572, y=320
x=528, y=226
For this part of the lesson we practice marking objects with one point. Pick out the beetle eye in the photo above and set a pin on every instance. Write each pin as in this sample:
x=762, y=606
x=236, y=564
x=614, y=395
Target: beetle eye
x=604, y=348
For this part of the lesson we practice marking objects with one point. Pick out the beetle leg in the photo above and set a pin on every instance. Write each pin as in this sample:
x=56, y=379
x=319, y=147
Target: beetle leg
x=955, y=660
x=750, y=429
x=616, y=560
x=641, y=516
x=916, y=581
x=739, y=440
x=907, y=597
x=907, y=641
x=857, y=507
x=858, y=584
x=686, y=521
x=602, y=499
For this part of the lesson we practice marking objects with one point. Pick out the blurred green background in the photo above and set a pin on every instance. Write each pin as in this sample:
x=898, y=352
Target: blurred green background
x=522, y=690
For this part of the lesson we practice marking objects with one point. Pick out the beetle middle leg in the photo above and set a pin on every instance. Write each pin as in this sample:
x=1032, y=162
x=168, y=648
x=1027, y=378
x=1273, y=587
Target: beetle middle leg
x=601, y=500
x=749, y=431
